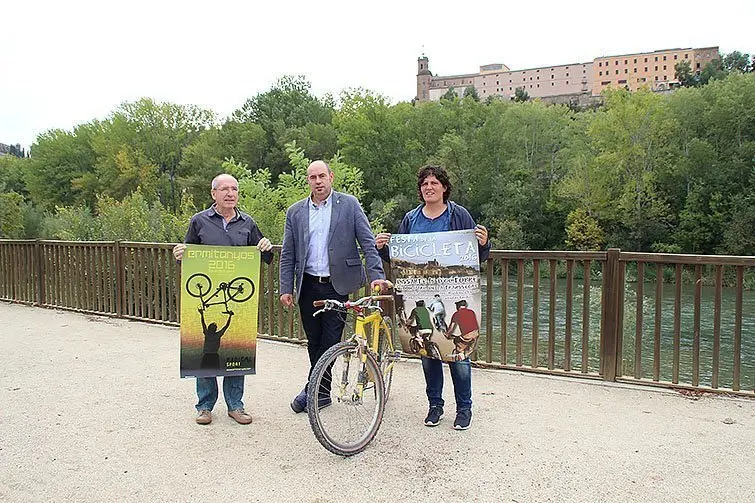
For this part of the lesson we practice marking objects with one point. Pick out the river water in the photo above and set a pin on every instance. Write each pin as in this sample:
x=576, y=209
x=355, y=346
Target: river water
x=726, y=363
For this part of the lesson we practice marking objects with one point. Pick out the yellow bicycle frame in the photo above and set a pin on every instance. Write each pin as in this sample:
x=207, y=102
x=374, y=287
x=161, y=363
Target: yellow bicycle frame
x=375, y=319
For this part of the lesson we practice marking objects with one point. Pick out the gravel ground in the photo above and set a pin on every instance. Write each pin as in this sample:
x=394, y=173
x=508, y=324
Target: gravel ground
x=96, y=412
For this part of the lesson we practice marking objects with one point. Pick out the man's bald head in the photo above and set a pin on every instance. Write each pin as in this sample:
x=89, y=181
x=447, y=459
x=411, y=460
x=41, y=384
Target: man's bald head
x=224, y=177
x=320, y=180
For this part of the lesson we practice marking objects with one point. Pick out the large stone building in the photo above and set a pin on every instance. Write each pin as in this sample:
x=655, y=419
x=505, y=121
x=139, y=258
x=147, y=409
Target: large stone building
x=654, y=69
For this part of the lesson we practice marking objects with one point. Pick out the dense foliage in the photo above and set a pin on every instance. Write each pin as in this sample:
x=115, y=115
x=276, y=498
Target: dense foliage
x=646, y=171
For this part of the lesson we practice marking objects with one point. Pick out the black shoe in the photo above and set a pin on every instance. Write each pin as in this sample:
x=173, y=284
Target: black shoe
x=299, y=403
x=463, y=420
x=434, y=415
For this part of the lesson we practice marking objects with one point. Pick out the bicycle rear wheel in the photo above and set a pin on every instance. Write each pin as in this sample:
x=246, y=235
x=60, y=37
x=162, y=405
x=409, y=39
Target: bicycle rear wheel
x=349, y=423
x=387, y=355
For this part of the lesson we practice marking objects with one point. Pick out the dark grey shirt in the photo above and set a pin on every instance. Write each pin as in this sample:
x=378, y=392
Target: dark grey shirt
x=208, y=227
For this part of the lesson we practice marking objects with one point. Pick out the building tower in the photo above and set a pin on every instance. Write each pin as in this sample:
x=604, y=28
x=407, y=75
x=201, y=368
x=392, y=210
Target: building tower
x=424, y=77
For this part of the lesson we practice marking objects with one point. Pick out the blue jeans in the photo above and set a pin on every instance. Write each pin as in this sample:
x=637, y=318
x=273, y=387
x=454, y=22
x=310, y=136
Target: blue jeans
x=461, y=375
x=207, y=392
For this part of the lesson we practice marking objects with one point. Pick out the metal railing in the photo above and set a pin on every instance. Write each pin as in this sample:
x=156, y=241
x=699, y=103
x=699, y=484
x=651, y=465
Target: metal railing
x=583, y=314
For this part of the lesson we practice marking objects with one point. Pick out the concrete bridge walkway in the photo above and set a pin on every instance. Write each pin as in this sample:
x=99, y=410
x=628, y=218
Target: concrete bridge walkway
x=93, y=410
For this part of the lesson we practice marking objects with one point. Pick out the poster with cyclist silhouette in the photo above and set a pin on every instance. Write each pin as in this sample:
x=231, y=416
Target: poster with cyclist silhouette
x=438, y=295
x=219, y=309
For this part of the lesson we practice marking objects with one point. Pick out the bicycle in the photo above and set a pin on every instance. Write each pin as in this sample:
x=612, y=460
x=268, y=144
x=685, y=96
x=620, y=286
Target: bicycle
x=238, y=290
x=348, y=422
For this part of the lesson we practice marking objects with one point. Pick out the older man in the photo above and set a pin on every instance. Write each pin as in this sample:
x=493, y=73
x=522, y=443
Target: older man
x=223, y=224
x=320, y=260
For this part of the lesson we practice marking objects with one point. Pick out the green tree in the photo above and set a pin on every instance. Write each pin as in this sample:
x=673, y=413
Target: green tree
x=471, y=91
x=683, y=73
x=520, y=95
x=11, y=209
x=450, y=94
x=289, y=104
x=583, y=232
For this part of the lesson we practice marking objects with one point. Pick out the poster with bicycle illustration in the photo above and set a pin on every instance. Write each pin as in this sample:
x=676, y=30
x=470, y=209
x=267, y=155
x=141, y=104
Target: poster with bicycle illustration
x=219, y=308
x=438, y=296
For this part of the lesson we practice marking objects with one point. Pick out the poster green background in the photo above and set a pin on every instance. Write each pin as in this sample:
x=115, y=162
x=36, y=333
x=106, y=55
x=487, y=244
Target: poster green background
x=221, y=264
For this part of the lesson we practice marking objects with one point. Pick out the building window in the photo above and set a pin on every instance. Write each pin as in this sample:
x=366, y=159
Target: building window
x=622, y=82
x=498, y=82
x=600, y=63
x=509, y=81
x=626, y=70
x=646, y=60
x=635, y=61
x=676, y=57
x=656, y=68
x=664, y=58
x=616, y=62
x=567, y=82
x=551, y=83
x=656, y=78
x=538, y=71
x=664, y=67
x=686, y=56
x=664, y=78
x=538, y=85
x=600, y=74
x=635, y=70
x=698, y=65
x=538, y=77
x=625, y=61
x=656, y=58
x=605, y=82
x=567, y=74
x=567, y=67
x=551, y=76
x=646, y=68
x=617, y=72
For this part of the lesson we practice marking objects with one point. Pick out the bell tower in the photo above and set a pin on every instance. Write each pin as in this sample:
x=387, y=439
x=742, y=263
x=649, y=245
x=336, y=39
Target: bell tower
x=424, y=78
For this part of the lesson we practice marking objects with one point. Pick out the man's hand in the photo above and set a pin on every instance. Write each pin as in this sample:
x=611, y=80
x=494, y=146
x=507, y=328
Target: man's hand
x=382, y=239
x=287, y=300
x=264, y=245
x=178, y=250
x=380, y=284
x=481, y=233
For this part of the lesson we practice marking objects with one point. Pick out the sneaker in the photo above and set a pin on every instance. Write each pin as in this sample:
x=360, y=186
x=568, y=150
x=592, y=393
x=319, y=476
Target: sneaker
x=204, y=417
x=240, y=416
x=463, y=420
x=299, y=403
x=434, y=415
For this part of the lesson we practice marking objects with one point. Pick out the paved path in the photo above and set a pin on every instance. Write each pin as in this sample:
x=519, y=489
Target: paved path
x=94, y=411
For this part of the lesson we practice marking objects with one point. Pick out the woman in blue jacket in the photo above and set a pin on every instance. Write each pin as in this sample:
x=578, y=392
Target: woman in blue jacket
x=438, y=214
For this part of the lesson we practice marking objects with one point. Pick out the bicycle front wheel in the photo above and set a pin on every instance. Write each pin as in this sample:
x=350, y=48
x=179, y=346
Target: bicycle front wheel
x=346, y=414
x=240, y=289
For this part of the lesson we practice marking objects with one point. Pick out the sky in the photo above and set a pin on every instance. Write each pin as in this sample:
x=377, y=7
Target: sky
x=67, y=63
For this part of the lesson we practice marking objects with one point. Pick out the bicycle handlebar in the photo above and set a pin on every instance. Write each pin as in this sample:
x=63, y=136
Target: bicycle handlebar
x=330, y=304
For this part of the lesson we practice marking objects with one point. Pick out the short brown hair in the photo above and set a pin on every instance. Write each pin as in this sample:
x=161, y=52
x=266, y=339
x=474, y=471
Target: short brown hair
x=437, y=172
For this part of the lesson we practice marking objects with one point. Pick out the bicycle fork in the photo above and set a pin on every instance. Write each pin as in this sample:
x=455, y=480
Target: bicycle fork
x=355, y=395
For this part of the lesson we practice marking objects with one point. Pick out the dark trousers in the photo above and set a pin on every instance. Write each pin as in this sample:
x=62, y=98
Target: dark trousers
x=324, y=330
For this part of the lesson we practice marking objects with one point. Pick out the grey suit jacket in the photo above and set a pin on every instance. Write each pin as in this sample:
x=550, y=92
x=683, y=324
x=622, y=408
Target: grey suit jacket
x=348, y=225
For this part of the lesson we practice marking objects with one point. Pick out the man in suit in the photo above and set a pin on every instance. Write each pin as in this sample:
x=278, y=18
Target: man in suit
x=320, y=260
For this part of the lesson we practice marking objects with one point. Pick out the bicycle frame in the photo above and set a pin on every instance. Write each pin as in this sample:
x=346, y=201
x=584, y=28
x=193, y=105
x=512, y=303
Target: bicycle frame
x=224, y=288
